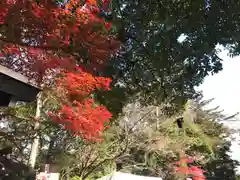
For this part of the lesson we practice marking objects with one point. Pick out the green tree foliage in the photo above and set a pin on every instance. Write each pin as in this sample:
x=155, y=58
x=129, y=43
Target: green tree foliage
x=203, y=138
x=16, y=134
x=156, y=60
x=238, y=177
x=143, y=140
x=17, y=129
x=223, y=167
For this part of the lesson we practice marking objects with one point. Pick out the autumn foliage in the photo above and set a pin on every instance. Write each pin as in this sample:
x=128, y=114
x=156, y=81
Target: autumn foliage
x=39, y=36
x=79, y=84
x=79, y=112
x=195, y=172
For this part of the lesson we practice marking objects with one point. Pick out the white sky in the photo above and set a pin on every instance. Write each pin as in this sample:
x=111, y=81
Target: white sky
x=225, y=88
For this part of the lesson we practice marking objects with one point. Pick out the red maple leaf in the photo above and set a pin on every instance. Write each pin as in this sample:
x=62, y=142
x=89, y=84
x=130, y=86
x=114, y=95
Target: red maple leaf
x=82, y=116
x=39, y=37
x=183, y=168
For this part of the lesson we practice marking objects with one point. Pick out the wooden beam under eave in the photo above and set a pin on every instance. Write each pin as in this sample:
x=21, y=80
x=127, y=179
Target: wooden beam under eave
x=17, y=85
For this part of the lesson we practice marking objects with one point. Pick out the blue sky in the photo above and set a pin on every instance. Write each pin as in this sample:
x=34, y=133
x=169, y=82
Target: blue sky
x=225, y=88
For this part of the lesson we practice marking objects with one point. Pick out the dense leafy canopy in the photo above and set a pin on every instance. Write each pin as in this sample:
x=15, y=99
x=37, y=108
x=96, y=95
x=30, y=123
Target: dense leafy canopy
x=170, y=45
x=159, y=140
x=41, y=39
x=42, y=35
x=167, y=48
x=79, y=112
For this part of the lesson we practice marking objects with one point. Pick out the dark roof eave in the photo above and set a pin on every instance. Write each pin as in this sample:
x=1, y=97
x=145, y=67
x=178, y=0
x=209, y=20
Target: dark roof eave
x=17, y=76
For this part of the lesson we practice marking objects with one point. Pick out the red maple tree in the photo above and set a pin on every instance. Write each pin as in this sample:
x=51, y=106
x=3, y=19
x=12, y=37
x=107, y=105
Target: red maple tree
x=193, y=171
x=79, y=112
x=37, y=36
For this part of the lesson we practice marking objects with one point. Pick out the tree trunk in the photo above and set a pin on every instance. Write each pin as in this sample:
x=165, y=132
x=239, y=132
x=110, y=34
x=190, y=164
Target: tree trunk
x=35, y=144
x=49, y=158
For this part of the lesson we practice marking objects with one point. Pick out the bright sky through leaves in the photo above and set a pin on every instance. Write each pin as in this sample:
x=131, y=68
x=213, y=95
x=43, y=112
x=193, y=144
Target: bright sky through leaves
x=225, y=88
